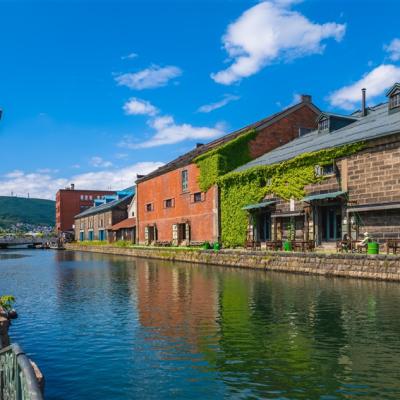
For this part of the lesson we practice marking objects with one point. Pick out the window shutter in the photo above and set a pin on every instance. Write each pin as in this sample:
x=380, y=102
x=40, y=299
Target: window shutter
x=174, y=232
x=187, y=231
x=146, y=233
x=203, y=196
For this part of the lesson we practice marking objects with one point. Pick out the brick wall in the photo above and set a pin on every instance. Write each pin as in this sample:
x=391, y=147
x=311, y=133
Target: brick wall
x=282, y=131
x=203, y=217
x=374, y=174
x=69, y=204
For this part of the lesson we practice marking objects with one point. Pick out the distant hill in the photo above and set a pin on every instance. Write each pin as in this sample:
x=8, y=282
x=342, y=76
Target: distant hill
x=28, y=211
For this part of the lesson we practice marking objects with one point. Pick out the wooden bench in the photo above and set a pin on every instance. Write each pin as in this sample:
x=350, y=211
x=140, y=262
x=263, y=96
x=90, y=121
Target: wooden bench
x=196, y=244
x=392, y=244
x=303, y=245
x=162, y=243
x=274, y=245
x=252, y=245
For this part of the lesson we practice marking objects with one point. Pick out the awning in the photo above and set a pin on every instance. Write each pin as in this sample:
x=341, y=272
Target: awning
x=323, y=196
x=124, y=224
x=373, y=207
x=258, y=205
x=288, y=214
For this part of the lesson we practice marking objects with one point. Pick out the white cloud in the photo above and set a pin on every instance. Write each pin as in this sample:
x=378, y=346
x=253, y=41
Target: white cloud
x=149, y=78
x=121, y=156
x=269, y=32
x=168, y=132
x=129, y=56
x=135, y=106
x=46, y=185
x=206, y=108
x=99, y=162
x=376, y=82
x=393, y=48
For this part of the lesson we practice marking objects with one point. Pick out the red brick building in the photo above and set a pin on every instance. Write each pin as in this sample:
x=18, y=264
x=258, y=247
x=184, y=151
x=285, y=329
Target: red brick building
x=170, y=205
x=70, y=202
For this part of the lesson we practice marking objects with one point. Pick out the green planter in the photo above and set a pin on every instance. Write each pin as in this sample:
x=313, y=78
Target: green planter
x=373, y=248
x=287, y=246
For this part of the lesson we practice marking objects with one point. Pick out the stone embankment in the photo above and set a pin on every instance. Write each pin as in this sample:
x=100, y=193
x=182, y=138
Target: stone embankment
x=380, y=267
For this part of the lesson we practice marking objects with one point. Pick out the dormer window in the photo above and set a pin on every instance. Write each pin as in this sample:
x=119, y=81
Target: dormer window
x=323, y=125
x=394, y=100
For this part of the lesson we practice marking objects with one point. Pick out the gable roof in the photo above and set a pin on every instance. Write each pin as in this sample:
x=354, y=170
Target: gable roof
x=334, y=115
x=377, y=123
x=188, y=157
x=394, y=88
x=125, y=223
x=105, y=207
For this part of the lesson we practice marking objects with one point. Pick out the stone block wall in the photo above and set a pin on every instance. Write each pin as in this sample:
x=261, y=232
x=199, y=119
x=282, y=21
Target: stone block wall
x=381, y=267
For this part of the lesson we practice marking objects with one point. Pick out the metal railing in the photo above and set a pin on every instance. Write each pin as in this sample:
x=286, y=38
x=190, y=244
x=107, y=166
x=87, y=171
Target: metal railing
x=17, y=377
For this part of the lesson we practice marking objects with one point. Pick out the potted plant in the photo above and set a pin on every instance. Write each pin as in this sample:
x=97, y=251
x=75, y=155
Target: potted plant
x=6, y=306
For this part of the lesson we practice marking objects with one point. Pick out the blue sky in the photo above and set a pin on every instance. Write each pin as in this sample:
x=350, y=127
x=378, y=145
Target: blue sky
x=94, y=92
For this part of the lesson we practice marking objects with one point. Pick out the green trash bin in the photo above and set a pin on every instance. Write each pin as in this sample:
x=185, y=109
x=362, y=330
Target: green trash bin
x=287, y=246
x=373, y=248
x=217, y=246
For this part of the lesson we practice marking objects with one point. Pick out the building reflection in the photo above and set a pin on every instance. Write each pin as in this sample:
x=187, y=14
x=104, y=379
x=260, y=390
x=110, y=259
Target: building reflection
x=179, y=301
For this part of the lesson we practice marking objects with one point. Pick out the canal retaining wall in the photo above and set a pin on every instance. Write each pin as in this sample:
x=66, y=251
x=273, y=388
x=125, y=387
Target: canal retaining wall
x=380, y=267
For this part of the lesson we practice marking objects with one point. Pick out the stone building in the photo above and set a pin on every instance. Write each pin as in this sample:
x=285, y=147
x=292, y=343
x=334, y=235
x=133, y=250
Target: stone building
x=356, y=191
x=173, y=207
x=96, y=222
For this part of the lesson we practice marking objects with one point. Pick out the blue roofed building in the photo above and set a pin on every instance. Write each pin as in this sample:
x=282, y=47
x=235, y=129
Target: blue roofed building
x=96, y=223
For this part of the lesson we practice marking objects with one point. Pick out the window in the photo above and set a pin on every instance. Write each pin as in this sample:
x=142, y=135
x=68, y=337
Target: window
x=82, y=197
x=395, y=101
x=197, y=197
x=324, y=170
x=169, y=203
x=184, y=180
x=304, y=131
x=149, y=207
x=323, y=125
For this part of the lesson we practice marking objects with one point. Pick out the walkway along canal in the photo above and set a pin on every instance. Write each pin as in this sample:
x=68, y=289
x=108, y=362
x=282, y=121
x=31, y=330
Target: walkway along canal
x=112, y=327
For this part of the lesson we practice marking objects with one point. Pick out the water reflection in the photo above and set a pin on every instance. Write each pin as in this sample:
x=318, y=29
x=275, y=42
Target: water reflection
x=124, y=328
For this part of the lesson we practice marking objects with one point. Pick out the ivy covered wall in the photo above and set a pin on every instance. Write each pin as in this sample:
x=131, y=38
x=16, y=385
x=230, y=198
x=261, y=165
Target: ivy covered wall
x=224, y=159
x=285, y=180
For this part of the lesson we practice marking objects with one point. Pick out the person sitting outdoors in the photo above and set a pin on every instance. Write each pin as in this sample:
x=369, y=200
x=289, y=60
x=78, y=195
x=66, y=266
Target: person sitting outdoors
x=362, y=244
x=345, y=243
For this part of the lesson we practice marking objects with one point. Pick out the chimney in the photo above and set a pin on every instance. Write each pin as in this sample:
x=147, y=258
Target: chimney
x=306, y=98
x=364, y=102
x=199, y=145
x=138, y=176
x=72, y=186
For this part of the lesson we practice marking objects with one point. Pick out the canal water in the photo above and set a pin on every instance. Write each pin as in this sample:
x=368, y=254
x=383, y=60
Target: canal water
x=109, y=327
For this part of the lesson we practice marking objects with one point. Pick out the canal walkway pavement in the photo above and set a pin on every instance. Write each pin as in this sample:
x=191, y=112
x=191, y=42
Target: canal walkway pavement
x=378, y=267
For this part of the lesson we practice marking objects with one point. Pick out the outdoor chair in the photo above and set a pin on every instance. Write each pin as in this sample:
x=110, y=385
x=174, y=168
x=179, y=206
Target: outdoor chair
x=392, y=244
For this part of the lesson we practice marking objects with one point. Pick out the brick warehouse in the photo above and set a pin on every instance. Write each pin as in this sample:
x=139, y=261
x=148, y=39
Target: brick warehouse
x=70, y=202
x=172, y=208
x=356, y=193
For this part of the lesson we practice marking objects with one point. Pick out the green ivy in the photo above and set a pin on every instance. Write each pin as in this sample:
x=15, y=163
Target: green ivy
x=224, y=159
x=285, y=180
